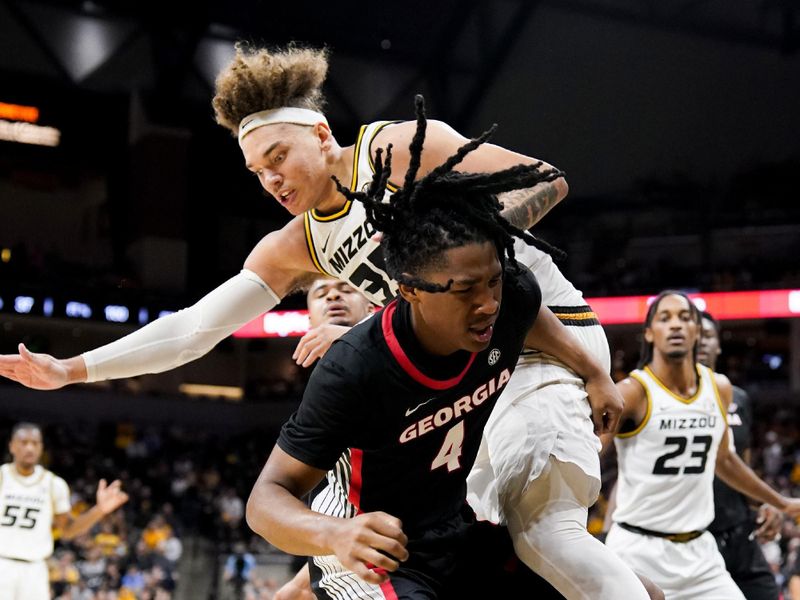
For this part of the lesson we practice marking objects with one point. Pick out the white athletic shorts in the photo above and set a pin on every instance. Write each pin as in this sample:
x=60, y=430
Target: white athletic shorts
x=21, y=580
x=687, y=571
x=543, y=412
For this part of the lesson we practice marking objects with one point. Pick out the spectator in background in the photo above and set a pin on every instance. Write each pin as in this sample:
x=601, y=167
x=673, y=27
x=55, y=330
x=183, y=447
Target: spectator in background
x=93, y=568
x=133, y=579
x=156, y=533
x=772, y=455
x=108, y=540
x=172, y=550
x=63, y=572
x=231, y=513
x=239, y=568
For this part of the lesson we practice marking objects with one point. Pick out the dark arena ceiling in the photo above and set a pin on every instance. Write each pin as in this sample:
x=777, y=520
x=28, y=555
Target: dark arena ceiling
x=451, y=49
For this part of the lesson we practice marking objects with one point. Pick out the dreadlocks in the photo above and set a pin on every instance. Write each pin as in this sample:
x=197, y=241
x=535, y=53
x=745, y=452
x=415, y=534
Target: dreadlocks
x=646, y=353
x=443, y=210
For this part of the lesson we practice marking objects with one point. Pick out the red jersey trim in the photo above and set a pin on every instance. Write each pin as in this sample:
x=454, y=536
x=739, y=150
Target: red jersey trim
x=405, y=362
x=354, y=495
x=386, y=587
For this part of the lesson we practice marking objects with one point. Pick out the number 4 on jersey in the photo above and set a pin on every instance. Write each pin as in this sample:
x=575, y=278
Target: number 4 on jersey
x=450, y=453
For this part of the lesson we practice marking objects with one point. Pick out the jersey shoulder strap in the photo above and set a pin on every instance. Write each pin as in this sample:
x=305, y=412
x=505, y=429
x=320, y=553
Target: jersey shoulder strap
x=712, y=381
x=363, y=163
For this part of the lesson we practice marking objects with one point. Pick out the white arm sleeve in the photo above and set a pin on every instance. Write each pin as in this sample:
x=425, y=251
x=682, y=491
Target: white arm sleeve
x=186, y=335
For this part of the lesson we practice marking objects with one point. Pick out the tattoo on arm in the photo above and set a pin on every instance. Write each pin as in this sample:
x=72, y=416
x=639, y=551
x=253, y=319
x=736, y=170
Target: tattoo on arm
x=524, y=208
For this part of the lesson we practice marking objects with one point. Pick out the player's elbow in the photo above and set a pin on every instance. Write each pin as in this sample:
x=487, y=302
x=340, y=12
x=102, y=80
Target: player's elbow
x=723, y=466
x=562, y=187
x=253, y=514
x=257, y=512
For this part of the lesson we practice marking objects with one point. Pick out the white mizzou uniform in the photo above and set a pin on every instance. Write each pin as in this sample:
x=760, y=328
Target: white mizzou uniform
x=665, y=485
x=27, y=507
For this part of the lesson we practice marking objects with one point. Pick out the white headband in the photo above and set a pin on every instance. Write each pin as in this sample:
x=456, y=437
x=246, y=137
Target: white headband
x=286, y=114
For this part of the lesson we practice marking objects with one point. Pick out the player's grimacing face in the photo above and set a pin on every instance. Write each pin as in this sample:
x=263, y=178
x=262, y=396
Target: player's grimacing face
x=290, y=163
x=708, y=350
x=26, y=447
x=463, y=317
x=673, y=330
x=336, y=302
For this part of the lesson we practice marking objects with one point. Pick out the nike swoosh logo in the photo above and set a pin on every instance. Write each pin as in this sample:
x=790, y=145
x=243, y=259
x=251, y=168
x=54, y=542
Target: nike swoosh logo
x=410, y=411
x=325, y=245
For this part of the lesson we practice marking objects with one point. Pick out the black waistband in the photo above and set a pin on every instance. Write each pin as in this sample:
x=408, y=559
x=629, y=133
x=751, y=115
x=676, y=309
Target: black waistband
x=679, y=538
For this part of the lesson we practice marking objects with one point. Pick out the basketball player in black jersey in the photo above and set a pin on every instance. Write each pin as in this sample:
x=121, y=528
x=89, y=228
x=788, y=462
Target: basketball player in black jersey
x=735, y=527
x=393, y=414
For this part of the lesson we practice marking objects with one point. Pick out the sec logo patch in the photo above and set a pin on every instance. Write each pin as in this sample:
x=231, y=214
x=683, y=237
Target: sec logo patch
x=494, y=356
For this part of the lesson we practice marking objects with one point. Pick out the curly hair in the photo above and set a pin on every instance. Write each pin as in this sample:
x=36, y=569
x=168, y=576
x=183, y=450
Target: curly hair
x=260, y=79
x=443, y=210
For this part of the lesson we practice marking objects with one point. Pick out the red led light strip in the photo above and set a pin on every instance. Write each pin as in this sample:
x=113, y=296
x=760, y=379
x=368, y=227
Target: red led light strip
x=619, y=310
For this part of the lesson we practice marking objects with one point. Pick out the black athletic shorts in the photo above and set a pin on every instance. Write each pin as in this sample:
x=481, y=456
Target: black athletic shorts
x=746, y=563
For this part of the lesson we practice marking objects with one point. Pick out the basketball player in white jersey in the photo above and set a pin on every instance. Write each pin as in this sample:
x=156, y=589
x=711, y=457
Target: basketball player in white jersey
x=32, y=501
x=544, y=428
x=334, y=306
x=673, y=439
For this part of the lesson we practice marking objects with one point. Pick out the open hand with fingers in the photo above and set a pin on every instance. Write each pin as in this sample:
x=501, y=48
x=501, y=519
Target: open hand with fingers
x=316, y=342
x=769, y=520
x=41, y=371
x=370, y=541
x=110, y=496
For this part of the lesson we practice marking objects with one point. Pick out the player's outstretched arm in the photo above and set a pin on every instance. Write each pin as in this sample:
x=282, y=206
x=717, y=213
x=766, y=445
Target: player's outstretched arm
x=183, y=336
x=522, y=208
x=159, y=346
x=549, y=335
x=275, y=512
x=41, y=371
x=734, y=471
x=109, y=498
